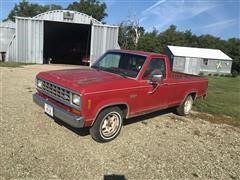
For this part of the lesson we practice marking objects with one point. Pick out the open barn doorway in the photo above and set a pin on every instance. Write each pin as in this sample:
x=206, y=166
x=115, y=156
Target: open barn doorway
x=66, y=43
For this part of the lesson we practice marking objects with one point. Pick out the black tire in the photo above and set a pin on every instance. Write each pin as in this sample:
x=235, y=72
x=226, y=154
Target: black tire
x=182, y=110
x=97, y=130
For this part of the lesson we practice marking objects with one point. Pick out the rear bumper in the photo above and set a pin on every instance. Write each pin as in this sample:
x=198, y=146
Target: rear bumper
x=68, y=117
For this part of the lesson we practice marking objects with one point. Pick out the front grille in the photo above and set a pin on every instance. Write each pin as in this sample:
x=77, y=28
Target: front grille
x=57, y=92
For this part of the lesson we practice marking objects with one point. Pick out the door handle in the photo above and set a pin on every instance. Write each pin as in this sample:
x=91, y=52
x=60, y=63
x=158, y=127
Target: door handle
x=156, y=87
x=164, y=84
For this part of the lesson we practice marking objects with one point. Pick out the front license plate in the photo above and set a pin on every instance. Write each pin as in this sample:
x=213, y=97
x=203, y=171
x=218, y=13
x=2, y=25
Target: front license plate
x=48, y=109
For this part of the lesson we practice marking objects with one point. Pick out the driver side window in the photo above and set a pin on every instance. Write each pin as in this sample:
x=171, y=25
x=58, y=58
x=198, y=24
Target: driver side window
x=155, y=67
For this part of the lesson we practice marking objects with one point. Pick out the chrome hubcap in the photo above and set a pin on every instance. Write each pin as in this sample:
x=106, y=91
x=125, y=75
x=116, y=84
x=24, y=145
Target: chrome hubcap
x=110, y=124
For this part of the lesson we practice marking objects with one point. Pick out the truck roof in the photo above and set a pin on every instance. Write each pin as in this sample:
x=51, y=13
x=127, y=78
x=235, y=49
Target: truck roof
x=143, y=53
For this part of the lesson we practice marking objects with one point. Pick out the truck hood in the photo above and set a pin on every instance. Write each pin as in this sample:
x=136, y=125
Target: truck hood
x=85, y=79
x=82, y=76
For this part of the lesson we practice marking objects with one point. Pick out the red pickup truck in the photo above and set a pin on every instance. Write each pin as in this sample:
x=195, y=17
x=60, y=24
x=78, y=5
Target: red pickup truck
x=120, y=85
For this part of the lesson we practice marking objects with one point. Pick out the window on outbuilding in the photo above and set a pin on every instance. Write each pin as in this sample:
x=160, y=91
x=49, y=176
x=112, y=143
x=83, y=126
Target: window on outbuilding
x=205, y=62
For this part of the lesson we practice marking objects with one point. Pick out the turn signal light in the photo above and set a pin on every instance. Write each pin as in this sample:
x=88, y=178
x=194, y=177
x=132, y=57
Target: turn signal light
x=76, y=112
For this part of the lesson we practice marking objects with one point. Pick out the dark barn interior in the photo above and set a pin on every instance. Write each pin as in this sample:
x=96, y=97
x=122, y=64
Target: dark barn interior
x=66, y=43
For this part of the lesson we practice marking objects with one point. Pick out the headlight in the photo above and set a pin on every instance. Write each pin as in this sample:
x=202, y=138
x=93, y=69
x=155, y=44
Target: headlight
x=76, y=99
x=39, y=83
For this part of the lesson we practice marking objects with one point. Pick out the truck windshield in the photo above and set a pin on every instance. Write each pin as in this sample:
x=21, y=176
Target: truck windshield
x=125, y=64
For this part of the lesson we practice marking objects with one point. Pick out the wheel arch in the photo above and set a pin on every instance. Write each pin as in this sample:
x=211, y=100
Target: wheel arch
x=193, y=93
x=122, y=105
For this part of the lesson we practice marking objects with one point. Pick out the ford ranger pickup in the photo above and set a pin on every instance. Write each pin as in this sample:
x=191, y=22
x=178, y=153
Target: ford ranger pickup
x=120, y=85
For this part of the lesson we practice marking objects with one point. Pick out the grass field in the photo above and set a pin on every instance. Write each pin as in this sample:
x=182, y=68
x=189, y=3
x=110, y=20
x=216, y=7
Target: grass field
x=223, y=97
x=12, y=64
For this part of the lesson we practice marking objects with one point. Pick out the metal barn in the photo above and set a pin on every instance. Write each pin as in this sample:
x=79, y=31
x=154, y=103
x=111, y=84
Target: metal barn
x=191, y=60
x=7, y=31
x=62, y=37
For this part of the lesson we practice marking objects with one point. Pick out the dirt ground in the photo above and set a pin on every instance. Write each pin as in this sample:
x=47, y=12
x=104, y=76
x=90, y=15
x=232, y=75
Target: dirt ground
x=156, y=146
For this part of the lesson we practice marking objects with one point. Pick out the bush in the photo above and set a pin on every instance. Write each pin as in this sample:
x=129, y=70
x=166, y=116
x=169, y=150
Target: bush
x=228, y=75
x=201, y=74
x=209, y=74
x=216, y=74
x=234, y=73
x=222, y=75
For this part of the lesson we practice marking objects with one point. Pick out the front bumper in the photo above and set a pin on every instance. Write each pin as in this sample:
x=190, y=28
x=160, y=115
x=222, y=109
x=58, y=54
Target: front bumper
x=68, y=117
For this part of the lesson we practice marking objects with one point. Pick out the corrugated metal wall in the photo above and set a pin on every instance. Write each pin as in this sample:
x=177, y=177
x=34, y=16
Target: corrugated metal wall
x=186, y=65
x=179, y=64
x=7, y=32
x=12, y=50
x=192, y=65
x=29, y=40
x=103, y=38
x=195, y=66
x=215, y=66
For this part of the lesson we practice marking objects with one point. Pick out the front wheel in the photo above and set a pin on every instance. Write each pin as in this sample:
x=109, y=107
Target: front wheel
x=108, y=125
x=185, y=108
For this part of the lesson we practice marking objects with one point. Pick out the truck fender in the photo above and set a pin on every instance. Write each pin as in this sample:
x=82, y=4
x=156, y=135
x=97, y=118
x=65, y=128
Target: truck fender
x=102, y=106
x=190, y=92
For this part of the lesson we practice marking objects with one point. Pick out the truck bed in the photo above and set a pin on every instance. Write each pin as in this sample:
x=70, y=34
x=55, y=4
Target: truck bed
x=178, y=75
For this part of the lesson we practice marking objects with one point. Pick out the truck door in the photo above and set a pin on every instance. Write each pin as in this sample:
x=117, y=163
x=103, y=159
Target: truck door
x=154, y=96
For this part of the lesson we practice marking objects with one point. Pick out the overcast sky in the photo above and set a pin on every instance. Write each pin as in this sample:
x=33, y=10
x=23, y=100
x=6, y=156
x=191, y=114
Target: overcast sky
x=217, y=17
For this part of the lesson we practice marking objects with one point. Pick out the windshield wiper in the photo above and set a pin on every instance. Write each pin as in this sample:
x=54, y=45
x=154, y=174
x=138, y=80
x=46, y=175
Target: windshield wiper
x=95, y=67
x=112, y=70
x=98, y=68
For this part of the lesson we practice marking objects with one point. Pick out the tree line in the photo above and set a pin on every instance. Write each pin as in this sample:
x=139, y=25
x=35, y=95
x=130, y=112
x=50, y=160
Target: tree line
x=133, y=36
x=156, y=41
x=94, y=8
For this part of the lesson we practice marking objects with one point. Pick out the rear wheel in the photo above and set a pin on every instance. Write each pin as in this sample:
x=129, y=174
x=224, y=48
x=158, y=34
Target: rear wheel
x=185, y=108
x=108, y=125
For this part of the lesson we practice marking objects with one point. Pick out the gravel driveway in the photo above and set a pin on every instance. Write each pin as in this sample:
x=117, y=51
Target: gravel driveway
x=156, y=146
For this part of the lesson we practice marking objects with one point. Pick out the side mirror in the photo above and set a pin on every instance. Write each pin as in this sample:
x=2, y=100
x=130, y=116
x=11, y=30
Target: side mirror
x=156, y=78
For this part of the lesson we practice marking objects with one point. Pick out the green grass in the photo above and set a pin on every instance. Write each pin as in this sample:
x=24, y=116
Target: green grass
x=13, y=64
x=223, y=97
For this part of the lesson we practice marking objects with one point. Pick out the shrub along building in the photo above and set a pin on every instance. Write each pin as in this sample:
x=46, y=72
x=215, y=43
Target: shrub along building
x=60, y=36
x=198, y=60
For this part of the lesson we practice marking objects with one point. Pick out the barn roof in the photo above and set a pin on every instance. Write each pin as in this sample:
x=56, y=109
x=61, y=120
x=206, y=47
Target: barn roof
x=198, y=52
x=67, y=16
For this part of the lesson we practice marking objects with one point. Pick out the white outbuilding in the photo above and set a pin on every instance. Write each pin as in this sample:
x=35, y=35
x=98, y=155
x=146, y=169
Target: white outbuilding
x=61, y=36
x=192, y=60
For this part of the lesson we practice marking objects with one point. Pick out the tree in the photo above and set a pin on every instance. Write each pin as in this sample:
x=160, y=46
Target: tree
x=124, y=38
x=136, y=30
x=233, y=49
x=93, y=8
x=150, y=42
x=129, y=34
x=26, y=9
x=190, y=39
x=51, y=7
x=172, y=37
